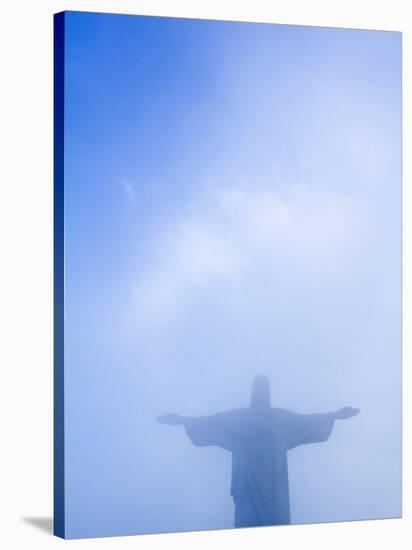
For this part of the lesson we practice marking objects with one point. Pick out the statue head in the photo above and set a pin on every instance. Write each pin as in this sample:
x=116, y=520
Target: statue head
x=260, y=396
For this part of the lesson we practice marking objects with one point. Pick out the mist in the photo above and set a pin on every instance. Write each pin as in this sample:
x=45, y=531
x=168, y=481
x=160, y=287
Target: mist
x=232, y=208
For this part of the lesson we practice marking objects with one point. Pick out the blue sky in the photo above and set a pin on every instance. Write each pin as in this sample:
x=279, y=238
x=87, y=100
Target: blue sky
x=233, y=206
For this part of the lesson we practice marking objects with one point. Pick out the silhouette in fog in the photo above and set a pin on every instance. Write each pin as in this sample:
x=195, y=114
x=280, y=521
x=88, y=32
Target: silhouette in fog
x=259, y=438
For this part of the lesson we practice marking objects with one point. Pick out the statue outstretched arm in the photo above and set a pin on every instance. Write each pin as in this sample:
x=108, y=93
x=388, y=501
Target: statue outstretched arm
x=345, y=412
x=202, y=430
x=172, y=419
x=301, y=429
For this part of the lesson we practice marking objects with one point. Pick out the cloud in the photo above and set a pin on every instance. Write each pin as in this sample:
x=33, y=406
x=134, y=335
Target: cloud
x=230, y=234
x=129, y=191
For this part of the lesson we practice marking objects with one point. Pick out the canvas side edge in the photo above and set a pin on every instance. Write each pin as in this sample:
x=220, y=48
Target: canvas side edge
x=59, y=509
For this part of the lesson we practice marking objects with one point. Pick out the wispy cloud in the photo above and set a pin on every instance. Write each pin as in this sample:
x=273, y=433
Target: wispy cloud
x=129, y=191
x=230, y=234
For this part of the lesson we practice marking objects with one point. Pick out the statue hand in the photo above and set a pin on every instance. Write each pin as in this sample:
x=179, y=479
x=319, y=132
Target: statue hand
x=346, y=412
x=171, y=419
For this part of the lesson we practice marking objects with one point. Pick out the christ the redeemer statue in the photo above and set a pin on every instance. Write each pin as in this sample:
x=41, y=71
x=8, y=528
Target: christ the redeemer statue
x=259, y=438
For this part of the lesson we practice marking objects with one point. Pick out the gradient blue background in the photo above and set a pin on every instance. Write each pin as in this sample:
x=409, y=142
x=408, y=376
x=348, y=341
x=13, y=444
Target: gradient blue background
x=232, y=207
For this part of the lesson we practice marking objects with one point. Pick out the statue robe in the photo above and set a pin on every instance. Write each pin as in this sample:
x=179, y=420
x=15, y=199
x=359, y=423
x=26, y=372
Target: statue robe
x=259, y=439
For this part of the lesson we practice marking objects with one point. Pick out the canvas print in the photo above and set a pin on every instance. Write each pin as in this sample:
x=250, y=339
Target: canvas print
x=227, y=274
